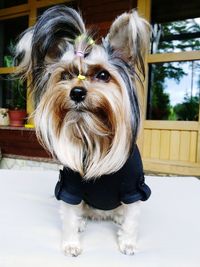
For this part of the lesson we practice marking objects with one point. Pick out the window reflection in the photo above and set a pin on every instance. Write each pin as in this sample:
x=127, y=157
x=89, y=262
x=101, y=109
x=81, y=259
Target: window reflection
x=174, y=90
x=176, y=36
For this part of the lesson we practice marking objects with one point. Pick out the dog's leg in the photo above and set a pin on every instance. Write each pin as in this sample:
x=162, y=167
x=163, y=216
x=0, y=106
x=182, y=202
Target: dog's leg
x=127, y=235
x=71, y=216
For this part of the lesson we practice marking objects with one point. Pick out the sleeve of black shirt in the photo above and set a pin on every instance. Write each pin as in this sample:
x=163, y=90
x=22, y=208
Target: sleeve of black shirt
x=133, y=183
x=69, y=187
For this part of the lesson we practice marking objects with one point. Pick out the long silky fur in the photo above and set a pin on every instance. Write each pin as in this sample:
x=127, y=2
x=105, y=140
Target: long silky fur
x=46, y=42
x=97, y=137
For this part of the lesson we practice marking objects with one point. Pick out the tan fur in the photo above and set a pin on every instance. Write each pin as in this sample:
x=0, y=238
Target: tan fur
x=93, y=133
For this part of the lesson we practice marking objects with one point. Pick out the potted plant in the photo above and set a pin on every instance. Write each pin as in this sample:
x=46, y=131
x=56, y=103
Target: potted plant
x=16, y=92
x=17, y=110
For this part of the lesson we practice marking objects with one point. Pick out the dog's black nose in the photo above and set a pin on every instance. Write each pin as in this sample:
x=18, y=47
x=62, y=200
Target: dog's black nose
x=78, y=94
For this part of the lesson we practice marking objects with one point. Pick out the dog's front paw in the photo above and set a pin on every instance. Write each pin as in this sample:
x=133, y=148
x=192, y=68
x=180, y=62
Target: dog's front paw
x=71, y=249
x=127, y=248
x=127, y=244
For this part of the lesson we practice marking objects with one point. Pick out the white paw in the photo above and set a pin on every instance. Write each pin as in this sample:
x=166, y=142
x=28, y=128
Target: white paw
x=71, y=249
x=127, y=248
x=127, y=243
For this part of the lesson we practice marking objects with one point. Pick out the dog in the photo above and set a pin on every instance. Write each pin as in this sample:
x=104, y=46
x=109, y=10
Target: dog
x=87, y=116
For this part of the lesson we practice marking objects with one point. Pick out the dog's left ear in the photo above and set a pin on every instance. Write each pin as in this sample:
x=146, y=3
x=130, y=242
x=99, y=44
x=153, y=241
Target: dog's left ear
x=129, y=34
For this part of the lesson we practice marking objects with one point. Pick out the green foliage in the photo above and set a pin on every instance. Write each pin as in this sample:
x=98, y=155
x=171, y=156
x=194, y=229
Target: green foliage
x=189, y=109
x=16, y=89
x=8, y=59
x=172, y=115
x=160, y=101
x=178, y=28
x=18, y=95
x=160, y=107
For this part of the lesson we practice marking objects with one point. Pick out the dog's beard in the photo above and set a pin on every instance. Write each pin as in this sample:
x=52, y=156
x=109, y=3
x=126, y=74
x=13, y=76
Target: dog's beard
x=94, y=137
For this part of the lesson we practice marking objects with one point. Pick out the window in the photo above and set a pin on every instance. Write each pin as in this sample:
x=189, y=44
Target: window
x=174, y=91
x=174, y=74
x=12, y=91
x=10, y=3
x=10, y=30
x=176, y=36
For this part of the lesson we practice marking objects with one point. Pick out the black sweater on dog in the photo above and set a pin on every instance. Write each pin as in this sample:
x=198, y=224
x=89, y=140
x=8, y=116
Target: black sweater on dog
x=108, y=191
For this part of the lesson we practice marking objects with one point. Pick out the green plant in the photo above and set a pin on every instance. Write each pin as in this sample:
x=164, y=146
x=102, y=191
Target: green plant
x=15, y=88
x=8, y=59
x=18, y=95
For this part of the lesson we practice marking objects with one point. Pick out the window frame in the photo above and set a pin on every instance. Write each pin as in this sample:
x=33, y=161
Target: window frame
x=153, y=58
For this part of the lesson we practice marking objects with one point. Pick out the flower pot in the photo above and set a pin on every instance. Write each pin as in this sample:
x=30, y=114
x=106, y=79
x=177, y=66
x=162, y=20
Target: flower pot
x=4, y=118
x=17, y=117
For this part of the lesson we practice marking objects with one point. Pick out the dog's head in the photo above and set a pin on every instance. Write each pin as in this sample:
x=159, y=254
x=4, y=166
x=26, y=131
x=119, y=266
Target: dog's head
x=87, y=112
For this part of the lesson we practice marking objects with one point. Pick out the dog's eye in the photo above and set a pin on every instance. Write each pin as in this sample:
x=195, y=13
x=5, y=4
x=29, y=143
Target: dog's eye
x=103, y=75
x=66, y=76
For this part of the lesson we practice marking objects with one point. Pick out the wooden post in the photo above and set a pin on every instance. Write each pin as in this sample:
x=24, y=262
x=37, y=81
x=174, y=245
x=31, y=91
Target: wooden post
x=144, y=10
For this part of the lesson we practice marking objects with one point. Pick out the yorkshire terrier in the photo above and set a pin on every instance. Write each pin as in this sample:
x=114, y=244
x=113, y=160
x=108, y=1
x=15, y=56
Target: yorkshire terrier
x=87, y=115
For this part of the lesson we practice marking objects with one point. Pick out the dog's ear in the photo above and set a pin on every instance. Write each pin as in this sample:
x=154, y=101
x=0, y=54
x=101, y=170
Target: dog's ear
x=129, y=34
x=45, y=43
x=56, y=28
x=49, y=38
x=23, y=52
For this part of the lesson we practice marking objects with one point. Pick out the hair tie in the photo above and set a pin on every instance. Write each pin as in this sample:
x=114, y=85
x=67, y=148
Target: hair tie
x=79, y=53
x=81, y=77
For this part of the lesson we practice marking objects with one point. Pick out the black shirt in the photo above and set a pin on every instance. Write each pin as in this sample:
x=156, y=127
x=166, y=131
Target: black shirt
x=108, y=191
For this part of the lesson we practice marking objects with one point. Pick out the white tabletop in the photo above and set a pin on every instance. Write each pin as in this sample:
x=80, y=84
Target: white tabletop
x=30, y=228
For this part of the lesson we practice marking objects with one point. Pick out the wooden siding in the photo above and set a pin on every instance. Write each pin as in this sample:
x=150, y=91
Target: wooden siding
x=169, y=143
x=104, y=10
x=20, y=141
x=174, y=143
x=100, y=14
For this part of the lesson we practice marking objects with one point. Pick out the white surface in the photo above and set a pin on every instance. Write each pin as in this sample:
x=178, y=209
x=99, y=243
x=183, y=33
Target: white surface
x=30, y=226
